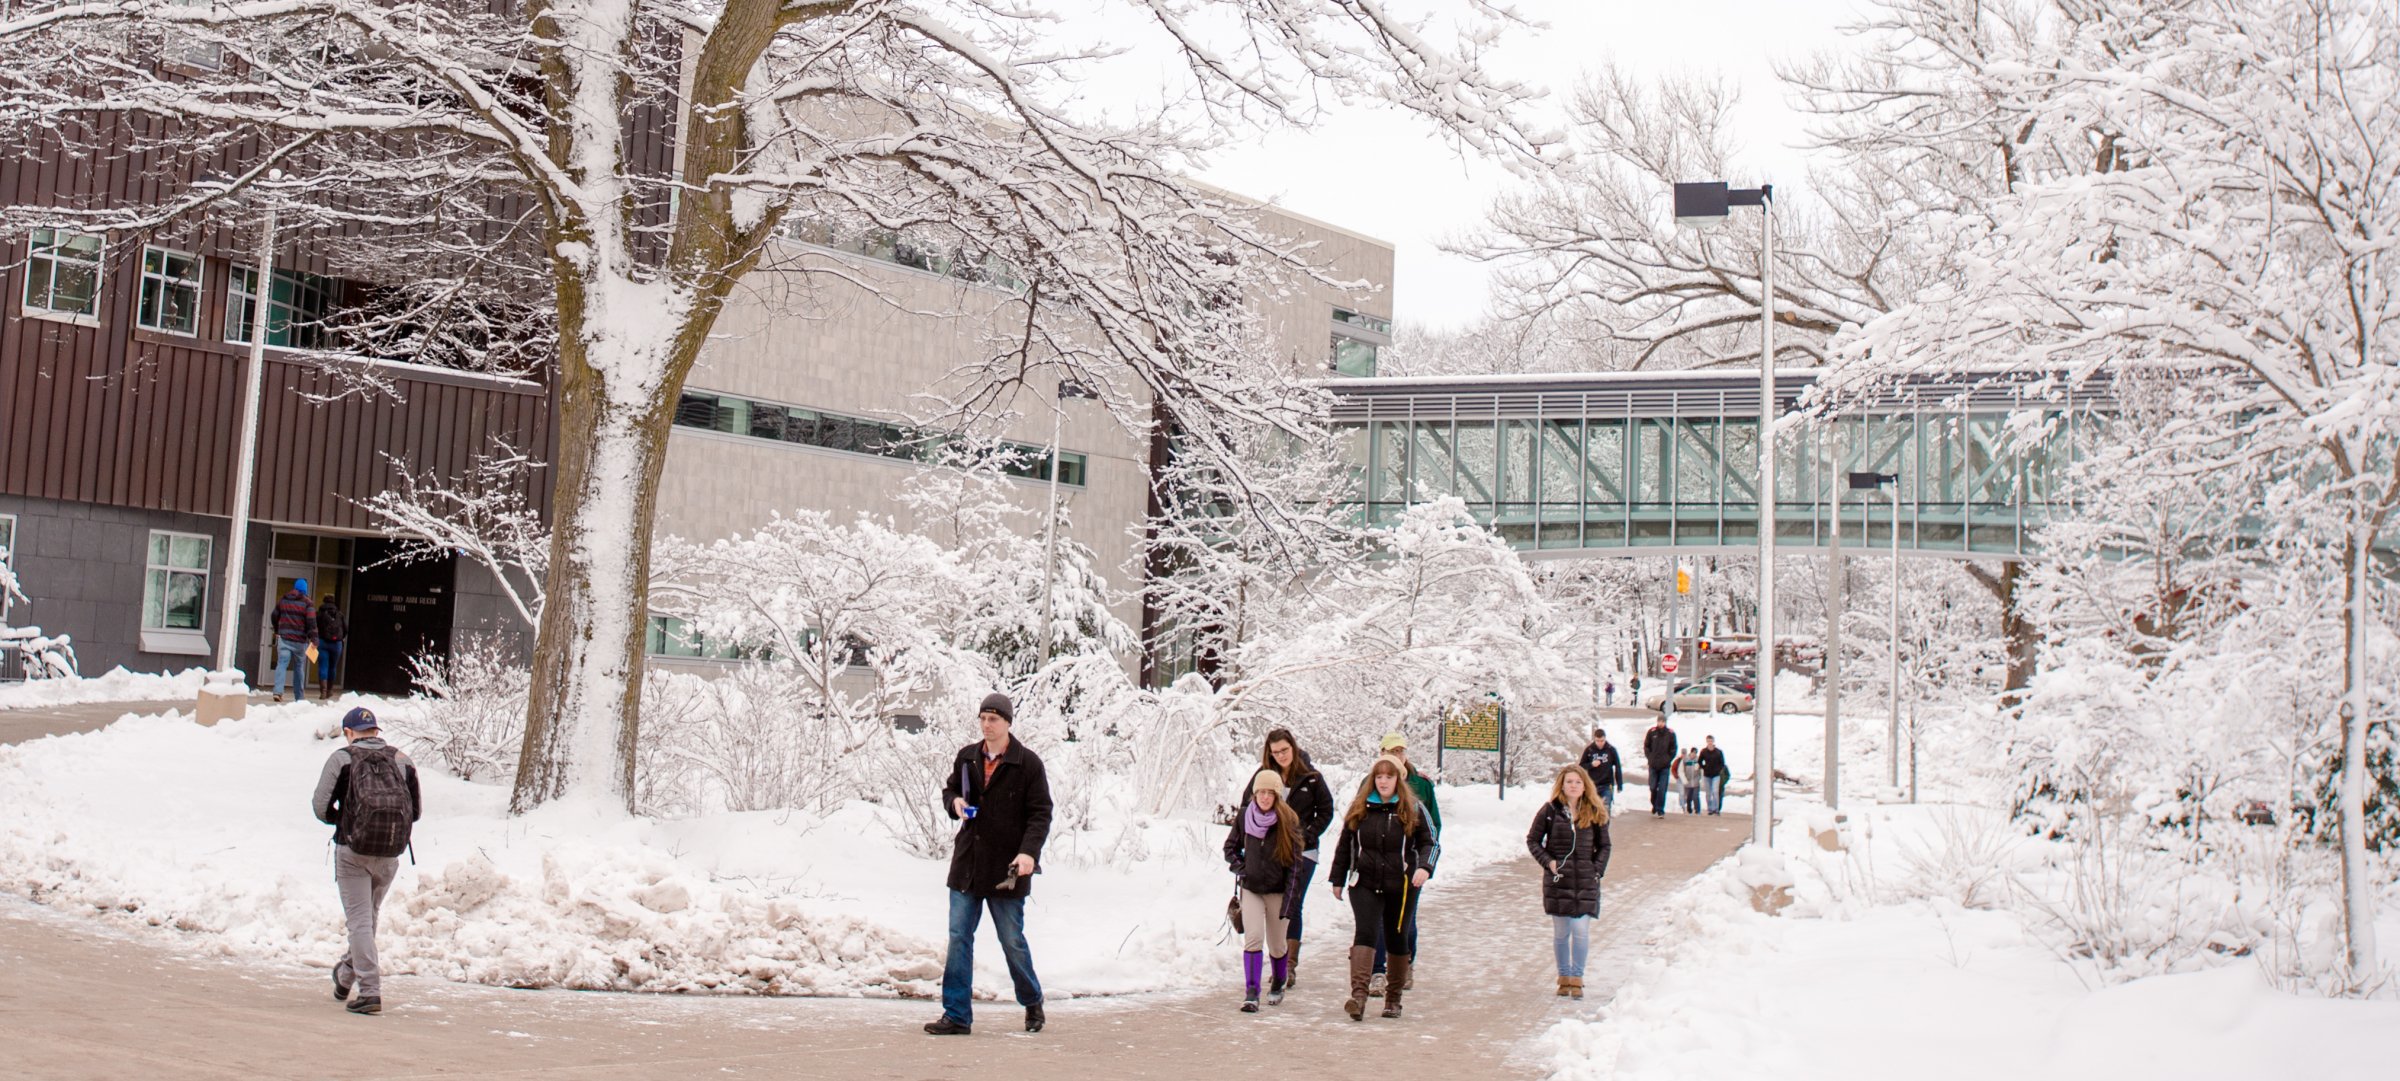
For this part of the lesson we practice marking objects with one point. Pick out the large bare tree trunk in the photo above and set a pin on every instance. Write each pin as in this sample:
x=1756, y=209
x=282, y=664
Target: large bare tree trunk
x=2358, y=886
x=2016, y=631
x=583, y=714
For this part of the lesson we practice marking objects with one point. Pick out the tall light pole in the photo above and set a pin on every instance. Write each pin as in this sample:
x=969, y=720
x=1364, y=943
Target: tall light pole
x=1890, y=482
x=1067, y=388
x=1833, y=634
x=245, y=473
x=1705, y=204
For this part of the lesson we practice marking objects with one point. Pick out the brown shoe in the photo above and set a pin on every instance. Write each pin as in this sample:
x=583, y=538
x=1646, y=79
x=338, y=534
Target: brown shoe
x=1362, y=965
x=1562, y=986
x=1396, y=984
x=1575, y=986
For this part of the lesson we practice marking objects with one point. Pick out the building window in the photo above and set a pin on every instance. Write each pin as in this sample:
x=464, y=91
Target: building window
x=62, y=274
x=296, y=313
x=191, y=52
x=853, y=435
x=673, y=636
x=170, y=291
x=1356, y=340
x=958, y=261
x=175, y=590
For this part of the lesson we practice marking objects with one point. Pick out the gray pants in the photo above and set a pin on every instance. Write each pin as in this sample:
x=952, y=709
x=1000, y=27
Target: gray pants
x=362, y=880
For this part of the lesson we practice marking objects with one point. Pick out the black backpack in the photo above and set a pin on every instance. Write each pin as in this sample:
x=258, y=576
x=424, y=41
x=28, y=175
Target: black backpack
x=376, y=808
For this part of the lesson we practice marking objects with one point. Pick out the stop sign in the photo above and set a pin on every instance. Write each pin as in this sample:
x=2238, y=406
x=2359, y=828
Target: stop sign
x=1666, y=663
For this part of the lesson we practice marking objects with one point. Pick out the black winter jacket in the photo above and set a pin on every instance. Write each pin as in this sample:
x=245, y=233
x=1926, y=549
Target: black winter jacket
x=1581, y=853
x=1712, y=761
x=329, y=622
x=1253, y=860
x=1603, y=766
x=1380, y=852
x=1659, y=747
x=1012, y=815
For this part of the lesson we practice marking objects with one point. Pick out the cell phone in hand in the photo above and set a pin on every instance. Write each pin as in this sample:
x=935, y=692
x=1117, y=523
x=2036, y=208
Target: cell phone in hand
x=1008, y=883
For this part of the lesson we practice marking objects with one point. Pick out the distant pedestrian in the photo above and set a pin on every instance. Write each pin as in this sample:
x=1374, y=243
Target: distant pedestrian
x=1687, y=780
x=1633, y=694
x=1604, y=767
x=1609, y=693
x=330, y=632
x=1395, y=747
x=1385, y=854
x=295, y=627
x=1713, y=774
x=1311, y=800
x=1659, y=752
x=1569, y=839
x=368, y=793
x=1000, y=794
x=1263, y=849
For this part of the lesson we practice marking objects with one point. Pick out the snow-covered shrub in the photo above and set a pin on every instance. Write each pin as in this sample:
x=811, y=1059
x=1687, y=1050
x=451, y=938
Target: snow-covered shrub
x=1967, y=862
x=473, y=720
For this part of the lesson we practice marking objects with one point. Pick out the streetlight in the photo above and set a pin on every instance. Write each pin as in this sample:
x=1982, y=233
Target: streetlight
x=245, y=475
x=1067, y=388
x=1889, y=482
x=1706, y=204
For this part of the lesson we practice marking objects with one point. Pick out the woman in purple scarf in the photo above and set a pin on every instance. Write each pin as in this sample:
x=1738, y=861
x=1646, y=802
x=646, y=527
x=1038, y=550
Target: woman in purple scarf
x=1263, y=849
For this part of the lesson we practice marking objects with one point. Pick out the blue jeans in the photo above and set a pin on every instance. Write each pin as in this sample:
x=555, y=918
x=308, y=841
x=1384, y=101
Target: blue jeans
x=292, y=657
x=958, y=973
x=1715, y=788
x=1658, y=791
x=1308, y=870
x=329, y=656
x=1571, y=940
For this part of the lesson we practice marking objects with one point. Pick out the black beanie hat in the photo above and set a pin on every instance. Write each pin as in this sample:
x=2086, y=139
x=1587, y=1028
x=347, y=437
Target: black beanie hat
x=996, y=702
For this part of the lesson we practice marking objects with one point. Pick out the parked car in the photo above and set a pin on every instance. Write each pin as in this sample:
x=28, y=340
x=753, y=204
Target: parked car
x=1705, y=697
x=1747, y=683
x=2255, y=812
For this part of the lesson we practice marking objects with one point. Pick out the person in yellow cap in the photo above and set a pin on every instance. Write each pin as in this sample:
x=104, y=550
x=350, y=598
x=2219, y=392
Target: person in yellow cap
x=1395, y=747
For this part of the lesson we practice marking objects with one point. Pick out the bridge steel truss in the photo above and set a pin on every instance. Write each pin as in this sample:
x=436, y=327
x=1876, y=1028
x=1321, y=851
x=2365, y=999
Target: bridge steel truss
x=1667, y=463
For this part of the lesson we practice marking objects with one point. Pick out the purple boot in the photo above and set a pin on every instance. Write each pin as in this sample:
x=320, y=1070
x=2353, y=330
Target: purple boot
x=1251, y=962
x=1283, y=976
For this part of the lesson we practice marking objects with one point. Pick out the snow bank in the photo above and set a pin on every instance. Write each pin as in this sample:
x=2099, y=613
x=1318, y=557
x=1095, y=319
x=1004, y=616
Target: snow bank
x=1877, y=971
x=207, y=831
x=118, y=685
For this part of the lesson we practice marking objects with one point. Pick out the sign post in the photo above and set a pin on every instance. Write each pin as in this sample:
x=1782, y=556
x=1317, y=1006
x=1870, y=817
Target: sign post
x=1483, y=727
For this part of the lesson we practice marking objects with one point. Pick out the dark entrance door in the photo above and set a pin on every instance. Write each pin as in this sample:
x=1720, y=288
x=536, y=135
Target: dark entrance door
x=396, y=612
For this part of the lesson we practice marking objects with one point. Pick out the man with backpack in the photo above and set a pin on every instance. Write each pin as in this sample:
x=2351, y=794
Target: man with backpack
x=368, y=794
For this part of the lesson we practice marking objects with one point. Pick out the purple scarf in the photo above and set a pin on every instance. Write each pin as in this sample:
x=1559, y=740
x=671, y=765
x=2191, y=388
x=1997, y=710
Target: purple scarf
x=1255, y=823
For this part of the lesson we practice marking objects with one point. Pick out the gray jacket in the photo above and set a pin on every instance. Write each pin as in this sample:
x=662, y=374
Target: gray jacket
x=333, y=786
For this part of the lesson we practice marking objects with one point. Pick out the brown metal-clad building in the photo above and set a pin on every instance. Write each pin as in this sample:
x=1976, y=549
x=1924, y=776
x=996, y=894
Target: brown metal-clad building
x=120, y=415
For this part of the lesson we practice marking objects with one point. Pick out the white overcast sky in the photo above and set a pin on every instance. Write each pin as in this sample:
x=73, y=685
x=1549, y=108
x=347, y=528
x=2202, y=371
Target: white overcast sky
x=1385, y=174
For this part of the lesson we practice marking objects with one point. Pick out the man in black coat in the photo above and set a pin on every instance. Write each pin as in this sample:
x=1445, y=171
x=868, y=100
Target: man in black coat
x=1606, y=769
x=1658, y=751
x=1000, y=794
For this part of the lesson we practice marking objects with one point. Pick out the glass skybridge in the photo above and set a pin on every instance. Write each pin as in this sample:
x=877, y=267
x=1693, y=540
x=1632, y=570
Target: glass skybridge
x=1668, y=462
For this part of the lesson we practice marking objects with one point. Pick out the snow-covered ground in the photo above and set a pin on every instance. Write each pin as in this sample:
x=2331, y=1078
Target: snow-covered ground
x=1880, y=971
x=1861, y=981
x=207, y=831
x=118, y=685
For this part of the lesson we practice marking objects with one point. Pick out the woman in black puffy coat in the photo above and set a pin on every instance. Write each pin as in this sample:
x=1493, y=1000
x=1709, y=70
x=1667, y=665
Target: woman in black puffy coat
x=1311, y=801
x=1386, y=848
x=1569, y=839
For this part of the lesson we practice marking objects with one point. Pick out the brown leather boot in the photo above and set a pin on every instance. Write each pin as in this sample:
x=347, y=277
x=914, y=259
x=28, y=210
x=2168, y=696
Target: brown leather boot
x=1397, y=983
x=1562, y=986
x=1362, y=965
x=1575, y=986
